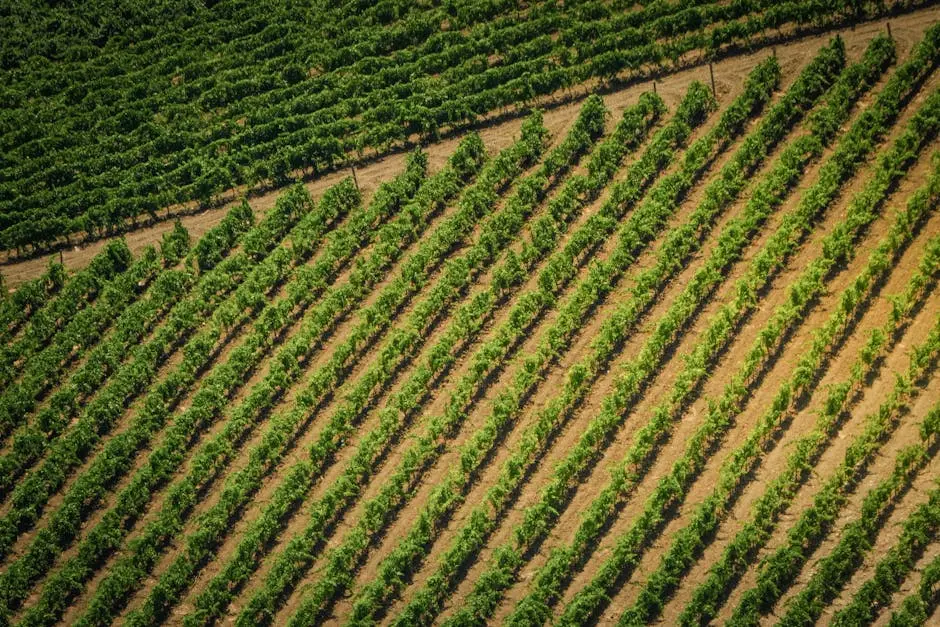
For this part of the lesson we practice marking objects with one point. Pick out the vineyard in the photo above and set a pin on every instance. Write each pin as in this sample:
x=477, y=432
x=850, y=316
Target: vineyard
x=564, y=346
x=110, y=119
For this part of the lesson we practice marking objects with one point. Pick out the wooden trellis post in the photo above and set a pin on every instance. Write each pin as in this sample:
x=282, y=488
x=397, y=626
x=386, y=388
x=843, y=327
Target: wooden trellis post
x=711, y=72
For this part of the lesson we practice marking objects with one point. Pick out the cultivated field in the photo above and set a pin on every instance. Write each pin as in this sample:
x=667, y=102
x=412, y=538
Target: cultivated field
x=647, y=356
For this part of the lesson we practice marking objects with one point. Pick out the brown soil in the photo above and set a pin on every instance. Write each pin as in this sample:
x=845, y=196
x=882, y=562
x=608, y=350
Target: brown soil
x=805, y=418
x=762, y=396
